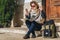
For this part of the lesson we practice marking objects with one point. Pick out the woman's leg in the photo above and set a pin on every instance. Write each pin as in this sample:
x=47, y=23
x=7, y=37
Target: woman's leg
x=39, y=26
x=31, y=29
x=33, y=26
x=28, y=23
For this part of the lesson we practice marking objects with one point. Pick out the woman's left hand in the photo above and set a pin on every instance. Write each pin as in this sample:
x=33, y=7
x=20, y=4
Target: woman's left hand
x=42, y=20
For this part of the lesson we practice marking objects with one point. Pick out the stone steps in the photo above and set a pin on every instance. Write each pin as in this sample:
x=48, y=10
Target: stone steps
x=8, y=30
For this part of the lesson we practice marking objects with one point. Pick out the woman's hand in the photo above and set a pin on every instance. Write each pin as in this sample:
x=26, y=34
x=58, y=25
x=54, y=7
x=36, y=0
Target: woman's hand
x=42, y=20
x=27, y=13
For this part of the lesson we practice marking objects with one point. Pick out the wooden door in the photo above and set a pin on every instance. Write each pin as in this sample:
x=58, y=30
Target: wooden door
x=53, y=9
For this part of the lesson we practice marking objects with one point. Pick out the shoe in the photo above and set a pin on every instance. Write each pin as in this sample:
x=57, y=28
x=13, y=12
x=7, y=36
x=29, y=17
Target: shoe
x=33, y=36
x=26, y=37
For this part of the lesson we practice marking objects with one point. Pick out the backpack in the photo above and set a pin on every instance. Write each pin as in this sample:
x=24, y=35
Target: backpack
x=50, y=29
x=47, y=31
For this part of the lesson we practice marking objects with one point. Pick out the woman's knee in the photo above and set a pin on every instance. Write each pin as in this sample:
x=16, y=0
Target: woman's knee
x=33, y=22
x=27, y=22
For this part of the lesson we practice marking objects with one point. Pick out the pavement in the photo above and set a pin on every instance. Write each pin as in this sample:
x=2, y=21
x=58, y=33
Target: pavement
x=18, y=33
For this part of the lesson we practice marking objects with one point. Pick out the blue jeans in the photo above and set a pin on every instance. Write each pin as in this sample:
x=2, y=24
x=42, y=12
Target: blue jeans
x=32, y=26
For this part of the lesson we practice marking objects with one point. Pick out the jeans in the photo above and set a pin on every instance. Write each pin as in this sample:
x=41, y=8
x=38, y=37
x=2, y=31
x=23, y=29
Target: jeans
x=32, y=26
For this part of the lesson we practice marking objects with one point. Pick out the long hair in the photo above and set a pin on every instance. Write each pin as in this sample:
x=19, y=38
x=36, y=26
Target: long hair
x=35, y=4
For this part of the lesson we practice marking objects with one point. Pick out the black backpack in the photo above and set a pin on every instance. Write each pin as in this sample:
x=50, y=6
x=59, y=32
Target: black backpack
x=50, y=29
x=47, y=31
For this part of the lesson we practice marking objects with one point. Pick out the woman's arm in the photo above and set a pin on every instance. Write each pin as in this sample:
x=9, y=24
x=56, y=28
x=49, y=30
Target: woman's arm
x=27, y=14
x=43, y=16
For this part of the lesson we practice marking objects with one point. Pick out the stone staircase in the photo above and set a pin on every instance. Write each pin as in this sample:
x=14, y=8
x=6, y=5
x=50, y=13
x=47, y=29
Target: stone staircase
x=23, y=29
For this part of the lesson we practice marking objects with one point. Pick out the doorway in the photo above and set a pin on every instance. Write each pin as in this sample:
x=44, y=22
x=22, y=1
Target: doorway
x=53, y=9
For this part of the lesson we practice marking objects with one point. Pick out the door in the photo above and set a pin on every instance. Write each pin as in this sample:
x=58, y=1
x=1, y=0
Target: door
x=53, y=9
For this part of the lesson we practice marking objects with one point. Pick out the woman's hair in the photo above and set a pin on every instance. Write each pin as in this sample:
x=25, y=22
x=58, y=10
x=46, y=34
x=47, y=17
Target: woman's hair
x=35, y=4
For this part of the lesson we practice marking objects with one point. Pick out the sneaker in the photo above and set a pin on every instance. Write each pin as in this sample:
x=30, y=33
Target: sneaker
x=26, y=37
x=33, y=36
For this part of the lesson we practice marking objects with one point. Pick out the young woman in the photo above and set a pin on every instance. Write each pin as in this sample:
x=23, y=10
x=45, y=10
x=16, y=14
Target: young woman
x=35, y=19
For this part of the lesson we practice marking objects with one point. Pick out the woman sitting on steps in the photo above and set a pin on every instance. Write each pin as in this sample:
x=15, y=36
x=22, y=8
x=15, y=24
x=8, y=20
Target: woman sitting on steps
x=35, y=19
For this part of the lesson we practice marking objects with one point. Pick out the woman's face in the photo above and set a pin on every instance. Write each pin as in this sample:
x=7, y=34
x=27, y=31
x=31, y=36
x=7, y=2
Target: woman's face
x=33, y=6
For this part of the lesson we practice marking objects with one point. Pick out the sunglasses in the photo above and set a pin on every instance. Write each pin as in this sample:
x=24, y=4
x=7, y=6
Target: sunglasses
x=33, y=6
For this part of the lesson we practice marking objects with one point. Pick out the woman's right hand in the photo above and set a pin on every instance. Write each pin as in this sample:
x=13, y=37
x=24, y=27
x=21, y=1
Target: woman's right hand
x=27, y=13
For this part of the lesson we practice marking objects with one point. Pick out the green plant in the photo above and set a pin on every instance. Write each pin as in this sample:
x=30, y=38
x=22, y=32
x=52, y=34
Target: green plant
x=7, y=8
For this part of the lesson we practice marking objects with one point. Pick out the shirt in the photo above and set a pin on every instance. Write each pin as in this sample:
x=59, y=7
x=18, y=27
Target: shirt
x=35, y=17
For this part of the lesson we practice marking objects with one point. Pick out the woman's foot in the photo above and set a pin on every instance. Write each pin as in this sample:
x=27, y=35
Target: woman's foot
x=33, y=36
x=26, y=37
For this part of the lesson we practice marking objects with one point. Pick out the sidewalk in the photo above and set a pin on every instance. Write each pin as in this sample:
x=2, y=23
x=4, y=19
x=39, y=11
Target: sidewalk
x=17, y=34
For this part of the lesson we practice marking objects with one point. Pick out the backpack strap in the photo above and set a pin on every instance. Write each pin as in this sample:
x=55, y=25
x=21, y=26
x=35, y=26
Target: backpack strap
x=38, y=15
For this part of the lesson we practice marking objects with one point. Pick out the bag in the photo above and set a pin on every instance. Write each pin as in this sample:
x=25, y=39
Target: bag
x=50, y=29
x=53, y=28
x=47, y=33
